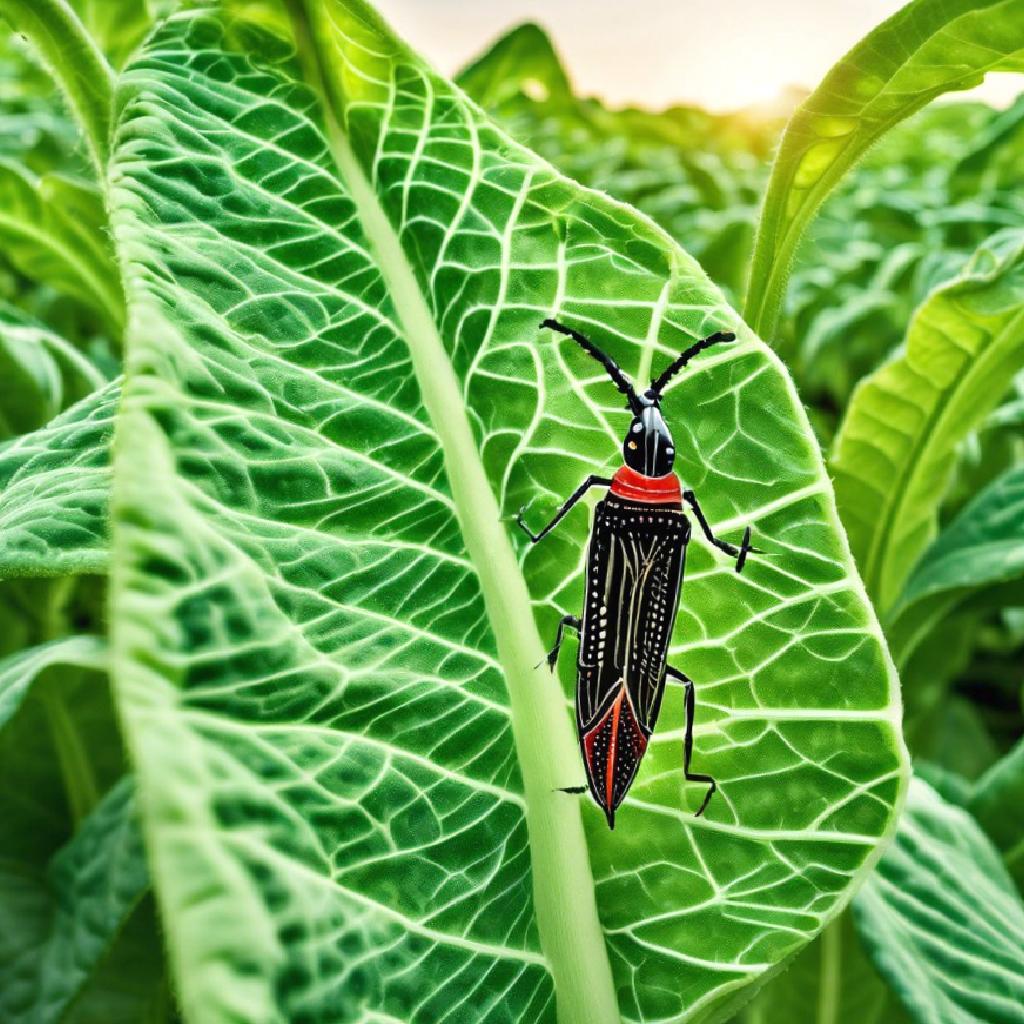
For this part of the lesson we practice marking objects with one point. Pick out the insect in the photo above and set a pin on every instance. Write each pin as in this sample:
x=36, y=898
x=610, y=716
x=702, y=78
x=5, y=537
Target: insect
x=635, y=562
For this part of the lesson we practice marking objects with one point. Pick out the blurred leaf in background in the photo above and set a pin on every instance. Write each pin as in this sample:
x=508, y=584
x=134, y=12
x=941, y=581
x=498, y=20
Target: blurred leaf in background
x=698, y=175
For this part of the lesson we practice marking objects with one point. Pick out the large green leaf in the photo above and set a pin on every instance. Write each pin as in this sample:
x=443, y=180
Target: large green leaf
x=895, y=450
x=924, y=50
x=447, y=180
x=325, y=647
x=982, y=547
x=55, y=490
x=942, y=920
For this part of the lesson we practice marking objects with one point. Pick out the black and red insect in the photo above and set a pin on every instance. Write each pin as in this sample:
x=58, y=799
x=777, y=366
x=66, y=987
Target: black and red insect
x=635, y=563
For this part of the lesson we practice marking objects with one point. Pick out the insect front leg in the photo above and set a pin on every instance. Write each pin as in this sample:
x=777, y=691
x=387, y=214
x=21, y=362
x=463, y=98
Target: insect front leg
x=591, y=481
x=739, y=553
x=688, y=738
x=566, y=621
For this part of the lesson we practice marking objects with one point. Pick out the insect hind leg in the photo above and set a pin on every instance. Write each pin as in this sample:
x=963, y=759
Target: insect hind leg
x=565, y=622
x=688, y=738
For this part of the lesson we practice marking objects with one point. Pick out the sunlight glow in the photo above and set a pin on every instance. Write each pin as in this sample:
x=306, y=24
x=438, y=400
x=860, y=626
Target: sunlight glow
x=653, y=53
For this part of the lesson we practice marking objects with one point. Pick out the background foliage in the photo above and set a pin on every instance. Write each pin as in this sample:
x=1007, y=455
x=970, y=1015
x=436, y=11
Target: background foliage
x=902, y=326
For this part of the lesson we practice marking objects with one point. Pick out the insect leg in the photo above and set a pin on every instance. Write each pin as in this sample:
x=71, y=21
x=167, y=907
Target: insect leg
x=591, y=481
x=688, y=738
x=566, y=620
x=739, y=553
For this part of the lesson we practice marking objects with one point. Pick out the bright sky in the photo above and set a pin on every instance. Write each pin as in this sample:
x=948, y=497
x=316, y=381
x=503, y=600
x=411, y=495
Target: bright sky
x=721, y=54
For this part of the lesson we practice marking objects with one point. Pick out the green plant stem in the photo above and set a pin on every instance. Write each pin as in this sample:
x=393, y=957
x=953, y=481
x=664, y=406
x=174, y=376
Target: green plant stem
x=72, y=756
x=831, y=967
x=75, y=768
x=160, y=1009
x=771, y=262
x=74, y=61
x=752, y=1014
x=770, y=265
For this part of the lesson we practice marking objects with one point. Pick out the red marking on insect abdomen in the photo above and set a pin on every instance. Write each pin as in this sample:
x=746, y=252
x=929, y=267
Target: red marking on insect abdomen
x=655, y=490
x=613, y=747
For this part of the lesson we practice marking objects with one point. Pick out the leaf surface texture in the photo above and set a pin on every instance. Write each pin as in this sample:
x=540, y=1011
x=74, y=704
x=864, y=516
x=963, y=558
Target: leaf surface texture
x=308, y=636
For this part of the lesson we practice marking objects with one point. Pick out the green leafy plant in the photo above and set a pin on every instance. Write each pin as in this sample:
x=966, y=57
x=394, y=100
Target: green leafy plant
x=942, y=919
x=898, y=440
x=924, y=50
x=269, y=658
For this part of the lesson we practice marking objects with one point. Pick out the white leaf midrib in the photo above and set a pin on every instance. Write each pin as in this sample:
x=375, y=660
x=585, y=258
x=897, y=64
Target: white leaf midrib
x=570, y=933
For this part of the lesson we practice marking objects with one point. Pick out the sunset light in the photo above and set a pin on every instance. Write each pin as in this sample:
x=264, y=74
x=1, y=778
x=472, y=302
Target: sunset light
x=653, y=53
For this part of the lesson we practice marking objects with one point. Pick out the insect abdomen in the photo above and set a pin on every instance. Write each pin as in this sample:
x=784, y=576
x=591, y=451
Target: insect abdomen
x=634, y=570
x=613, y=747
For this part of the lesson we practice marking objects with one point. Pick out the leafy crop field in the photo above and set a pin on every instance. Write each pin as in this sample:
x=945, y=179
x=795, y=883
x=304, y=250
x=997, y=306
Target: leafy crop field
x=276, y=739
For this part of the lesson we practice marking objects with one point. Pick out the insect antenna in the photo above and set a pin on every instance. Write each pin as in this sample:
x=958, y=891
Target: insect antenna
x=657, y=386
x=620, y=380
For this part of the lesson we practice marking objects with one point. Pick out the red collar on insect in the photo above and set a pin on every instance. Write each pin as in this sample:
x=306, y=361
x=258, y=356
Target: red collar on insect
x=634, y=563
x=656, y=490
